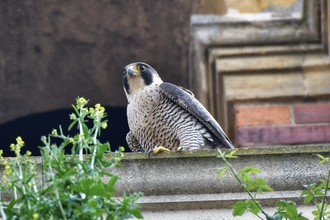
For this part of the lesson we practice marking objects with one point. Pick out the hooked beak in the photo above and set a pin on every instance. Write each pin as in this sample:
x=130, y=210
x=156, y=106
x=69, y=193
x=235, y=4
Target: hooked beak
x=132, y=72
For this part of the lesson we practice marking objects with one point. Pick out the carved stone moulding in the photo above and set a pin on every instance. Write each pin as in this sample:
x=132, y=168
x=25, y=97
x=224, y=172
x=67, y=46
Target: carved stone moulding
x=270, y=57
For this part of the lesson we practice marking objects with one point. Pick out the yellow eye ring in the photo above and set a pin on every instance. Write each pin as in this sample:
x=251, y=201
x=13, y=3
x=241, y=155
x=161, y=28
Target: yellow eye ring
x=141, y=67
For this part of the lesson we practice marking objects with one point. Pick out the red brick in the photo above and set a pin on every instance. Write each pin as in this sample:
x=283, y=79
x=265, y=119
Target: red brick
x=316, y=113
x=247, y=136
x=262, y=115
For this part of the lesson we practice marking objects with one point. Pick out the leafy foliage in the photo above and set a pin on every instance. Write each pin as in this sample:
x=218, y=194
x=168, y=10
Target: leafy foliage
x=77, y=186
x=284, y=209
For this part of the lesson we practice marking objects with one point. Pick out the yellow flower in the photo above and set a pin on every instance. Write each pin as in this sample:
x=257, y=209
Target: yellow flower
x=81, y=102
x=54, y=132
x=104, y=125
x=71, y=140
x=29, y=184
x=1, y=152
x=73, y=116
x=91, y=110
x=7, y=170
x=97, y=106
x=19, y=141
x=84, y=110
x=81, y=136
x=12, y=146
x=35, y=216
x=28, y=153
x=121, y=148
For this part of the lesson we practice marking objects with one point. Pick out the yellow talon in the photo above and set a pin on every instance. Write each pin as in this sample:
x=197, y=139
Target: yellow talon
x=156, y=150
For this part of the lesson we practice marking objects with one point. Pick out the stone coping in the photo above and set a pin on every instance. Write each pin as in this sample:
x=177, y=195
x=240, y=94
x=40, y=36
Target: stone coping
x=295, y=149
x=186, y=181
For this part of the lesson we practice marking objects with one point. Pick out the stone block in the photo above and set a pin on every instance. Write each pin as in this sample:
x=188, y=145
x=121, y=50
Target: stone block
x=264, y=85
x=249, y=136
x=313, y=113
x=262, y=115
x=318, y=81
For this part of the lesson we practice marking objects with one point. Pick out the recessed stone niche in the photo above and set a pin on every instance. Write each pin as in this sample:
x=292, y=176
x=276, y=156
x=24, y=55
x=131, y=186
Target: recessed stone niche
x=278, y=55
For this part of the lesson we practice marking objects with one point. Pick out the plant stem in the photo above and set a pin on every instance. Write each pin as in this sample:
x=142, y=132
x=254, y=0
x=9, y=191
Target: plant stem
x=20, y=177
x=325, y=195
x=242, y=184
x=3, y=215
x=80, y=147
x=95, y=148
x=57, y=194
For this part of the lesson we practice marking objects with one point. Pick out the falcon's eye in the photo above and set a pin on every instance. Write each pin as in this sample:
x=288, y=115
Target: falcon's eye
x=142, y=67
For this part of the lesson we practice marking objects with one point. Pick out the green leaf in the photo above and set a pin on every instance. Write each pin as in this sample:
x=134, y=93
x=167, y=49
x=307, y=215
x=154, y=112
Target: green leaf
x=222, y=171
x=240, y=208
x=136, y=213
x=249, y=169
x=90, y=187
x=232, y=154
x=111, y=183
x=75, y=109
x=101, y=148
x=267, y=188
x=253, y=207
x=71, y=125
x=85, y=130
x=323, y=159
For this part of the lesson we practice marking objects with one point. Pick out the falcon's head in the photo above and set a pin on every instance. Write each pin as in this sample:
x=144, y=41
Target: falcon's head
x=139, y=75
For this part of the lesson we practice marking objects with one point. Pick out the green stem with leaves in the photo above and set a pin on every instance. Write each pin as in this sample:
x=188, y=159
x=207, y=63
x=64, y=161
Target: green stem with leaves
x=2, y=213
x=325, y=195
x=95, y=148
x=57, y=195
x=242, y=184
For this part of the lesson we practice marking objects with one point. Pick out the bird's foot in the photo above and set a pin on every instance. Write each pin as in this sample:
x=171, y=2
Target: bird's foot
x=156, y=150
x=179, y=149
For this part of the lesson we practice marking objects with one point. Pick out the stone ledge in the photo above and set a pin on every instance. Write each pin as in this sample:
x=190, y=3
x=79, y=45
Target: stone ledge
x=213, y=201
x=174, y=181
x=188, y=181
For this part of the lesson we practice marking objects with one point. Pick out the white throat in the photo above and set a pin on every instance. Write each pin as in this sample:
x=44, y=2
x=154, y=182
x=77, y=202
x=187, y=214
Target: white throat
x=137, y=85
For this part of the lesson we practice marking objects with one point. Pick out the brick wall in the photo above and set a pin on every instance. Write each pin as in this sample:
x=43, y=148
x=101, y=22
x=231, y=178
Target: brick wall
x=282, y=124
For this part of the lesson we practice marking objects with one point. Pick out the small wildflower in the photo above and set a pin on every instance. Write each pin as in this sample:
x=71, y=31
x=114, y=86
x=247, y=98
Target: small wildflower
x=81, y=136
x=12, y=146
x=97, y=106
x=29, y=184
x=91, y=110
x=19, y=141
x=43, y=139
x=84, y=110
x=73, y=116
x=35, y=216
x=121, y=149
x=28, y=153
x=1, y=152
x=54, y=132
x=71, y=140
x=104, y=125
x=81, y=102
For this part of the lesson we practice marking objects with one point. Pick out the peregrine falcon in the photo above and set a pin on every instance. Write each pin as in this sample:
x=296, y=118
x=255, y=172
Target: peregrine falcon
x=165, y=116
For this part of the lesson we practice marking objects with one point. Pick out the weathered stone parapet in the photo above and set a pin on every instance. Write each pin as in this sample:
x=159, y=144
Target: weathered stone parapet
x=190, y=181
x=174, y=183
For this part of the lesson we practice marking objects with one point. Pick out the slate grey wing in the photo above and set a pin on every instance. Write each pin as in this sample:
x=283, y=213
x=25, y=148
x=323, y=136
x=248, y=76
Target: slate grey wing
x=186, y=100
